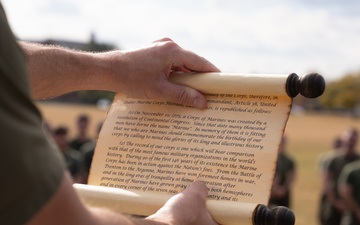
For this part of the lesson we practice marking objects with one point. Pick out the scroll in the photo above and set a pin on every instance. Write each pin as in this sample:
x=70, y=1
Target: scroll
x=150, y=150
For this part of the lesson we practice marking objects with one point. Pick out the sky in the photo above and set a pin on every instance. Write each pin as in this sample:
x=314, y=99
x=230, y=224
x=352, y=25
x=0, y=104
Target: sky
x=238, y=36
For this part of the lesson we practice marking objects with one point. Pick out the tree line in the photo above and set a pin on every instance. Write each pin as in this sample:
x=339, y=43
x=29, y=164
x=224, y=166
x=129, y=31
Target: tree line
x=343, y=93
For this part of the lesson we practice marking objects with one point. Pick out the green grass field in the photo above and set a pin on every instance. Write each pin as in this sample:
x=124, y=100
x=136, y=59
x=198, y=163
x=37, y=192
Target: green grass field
x=308, y=137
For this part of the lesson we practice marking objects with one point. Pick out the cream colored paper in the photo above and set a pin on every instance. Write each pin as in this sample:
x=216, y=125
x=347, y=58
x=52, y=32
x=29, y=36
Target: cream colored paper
x=160, y=147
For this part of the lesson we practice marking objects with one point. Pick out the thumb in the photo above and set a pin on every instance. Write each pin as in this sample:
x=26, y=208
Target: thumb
x=185, y=95
x=197, y=187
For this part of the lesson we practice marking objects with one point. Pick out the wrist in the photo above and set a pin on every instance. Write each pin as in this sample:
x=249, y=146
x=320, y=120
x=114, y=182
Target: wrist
x=106, y=71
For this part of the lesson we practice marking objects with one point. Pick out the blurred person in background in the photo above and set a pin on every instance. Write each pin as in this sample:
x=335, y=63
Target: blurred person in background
x=38, y=190
x=326, y=157
x=88, y=150
x=285, y=174
x=82, y=127
x=47, y=127
x=73, y=158
x=335, y=206
x=349, y=190
x=324, y=161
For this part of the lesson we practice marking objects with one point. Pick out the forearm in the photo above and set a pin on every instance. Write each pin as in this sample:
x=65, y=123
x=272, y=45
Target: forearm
x=329, y=190
x=66, y=208
x=352, y=205
x=139, y=73
x=346, y=193
x=54, y=71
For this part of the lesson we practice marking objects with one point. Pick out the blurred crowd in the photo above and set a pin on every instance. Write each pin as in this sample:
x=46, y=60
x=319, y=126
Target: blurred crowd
x=77, y=151
x=339, y=171
x=340, y=178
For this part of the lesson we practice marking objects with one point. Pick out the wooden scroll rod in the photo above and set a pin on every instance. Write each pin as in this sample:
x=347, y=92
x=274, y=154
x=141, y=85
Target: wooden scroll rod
x=310, y=85
x=279, y=215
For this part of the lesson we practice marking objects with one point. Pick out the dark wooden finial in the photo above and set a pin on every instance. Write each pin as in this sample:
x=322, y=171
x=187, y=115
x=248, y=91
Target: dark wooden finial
x=311, y=85
x=277, y=216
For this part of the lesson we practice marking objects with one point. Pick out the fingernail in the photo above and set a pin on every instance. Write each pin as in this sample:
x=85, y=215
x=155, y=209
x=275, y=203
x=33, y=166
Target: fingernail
x=199, y=103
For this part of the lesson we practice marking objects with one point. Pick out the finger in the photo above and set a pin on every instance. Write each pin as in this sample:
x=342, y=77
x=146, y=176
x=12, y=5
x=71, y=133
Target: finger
x=198, y=190
x=180, y=69
x=183, y=95
x=197, y=187
x=162, y=40
x=195, y=62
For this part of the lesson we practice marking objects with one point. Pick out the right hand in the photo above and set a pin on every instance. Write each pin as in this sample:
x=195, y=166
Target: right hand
x=340, y=205
x=148, y=68
x=186, y=208
x=357, y=216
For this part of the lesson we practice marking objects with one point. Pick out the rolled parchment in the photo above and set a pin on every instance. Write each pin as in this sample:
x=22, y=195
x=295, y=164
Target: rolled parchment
x=146, y=203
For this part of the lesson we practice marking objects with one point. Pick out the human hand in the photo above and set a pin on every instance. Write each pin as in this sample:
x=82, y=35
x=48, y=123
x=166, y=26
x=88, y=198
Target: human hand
x=188, y=207
x=147, y=70
x=340, y=205
x=357, y=216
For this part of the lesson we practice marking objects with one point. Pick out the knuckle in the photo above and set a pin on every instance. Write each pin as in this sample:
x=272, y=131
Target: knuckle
x=170, y=46
x=183, y=97
x=160, y=90
x=165, y=39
